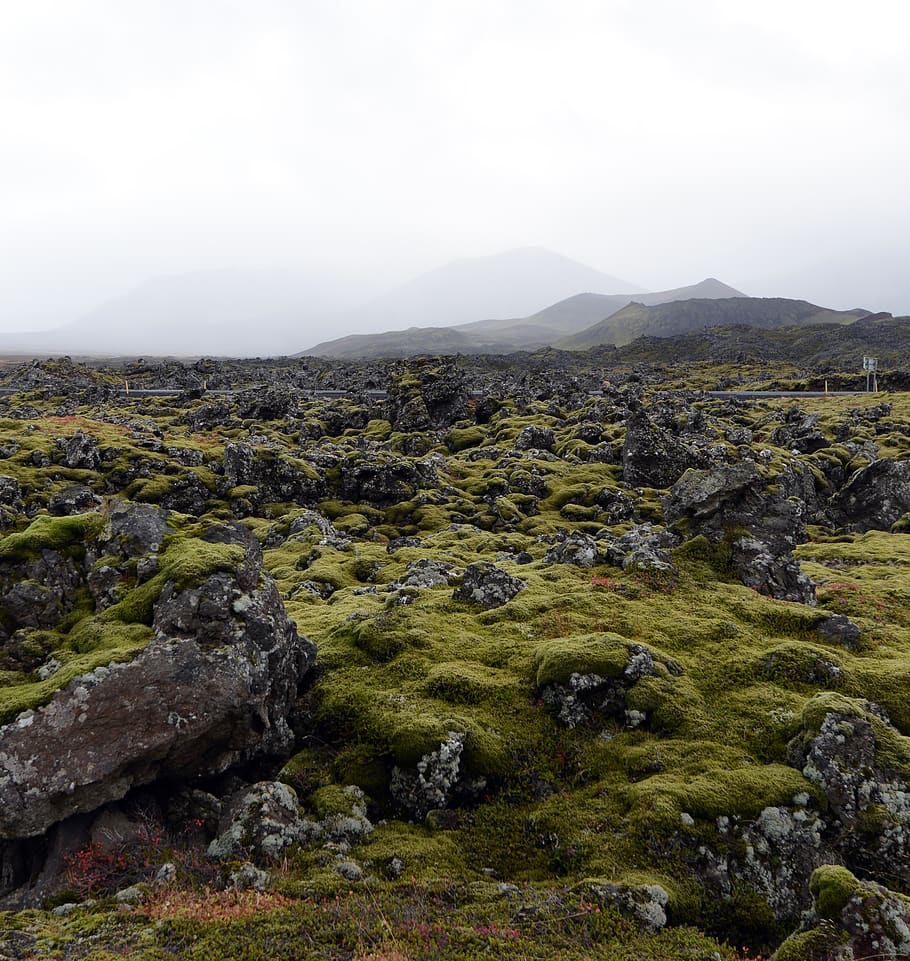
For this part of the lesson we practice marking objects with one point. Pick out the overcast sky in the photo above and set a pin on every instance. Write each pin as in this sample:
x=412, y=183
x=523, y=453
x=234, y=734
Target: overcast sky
x=765, y=143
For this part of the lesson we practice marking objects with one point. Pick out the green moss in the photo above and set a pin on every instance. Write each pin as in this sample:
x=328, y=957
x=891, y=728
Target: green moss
x=832, y=887
x=138, y=606
x=605, y=654
x=306, y=771
x=673, y=704
x=460, y=683
x=376, y=636
x=330, y=801
x=885, y=682
x=360, y=764
x=802, y=664
x=743, y=791
x=50, y=533
x=243, y=491
x=459, y=439
x=814, y=945
x=187, y=561
x=414, y=735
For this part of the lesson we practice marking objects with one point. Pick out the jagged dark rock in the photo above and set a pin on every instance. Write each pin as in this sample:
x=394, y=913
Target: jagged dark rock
x=850, y=920
x=389, y=481
x=643, y=548
x=839, y=629
x=487, y=585
x=733, y=504
x=841, y=751
x=81, y=452
x=574, y=548
x=73, y=499
x=274, y=477
x=651, y=456
x=875, y=497
x=10, y=491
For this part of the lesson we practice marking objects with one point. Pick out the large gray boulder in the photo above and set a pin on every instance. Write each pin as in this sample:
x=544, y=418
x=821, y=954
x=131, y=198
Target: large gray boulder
x=876, y=496
x=733, y=503
x=213, y=689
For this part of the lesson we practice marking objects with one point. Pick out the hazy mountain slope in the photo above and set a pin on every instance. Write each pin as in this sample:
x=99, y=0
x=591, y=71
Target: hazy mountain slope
x=394, y=343
x=682, y=316
x=875, y=275
x=214, y=312
x=511, y=284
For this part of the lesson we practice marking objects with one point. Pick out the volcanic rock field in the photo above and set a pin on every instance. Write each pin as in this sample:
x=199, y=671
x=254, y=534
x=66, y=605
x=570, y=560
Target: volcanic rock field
x=529, y=657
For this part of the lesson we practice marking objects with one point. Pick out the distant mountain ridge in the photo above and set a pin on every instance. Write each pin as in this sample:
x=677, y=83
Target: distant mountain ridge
x=541, y=329
x=531, y=298
x=274, y=312
x=684, y=316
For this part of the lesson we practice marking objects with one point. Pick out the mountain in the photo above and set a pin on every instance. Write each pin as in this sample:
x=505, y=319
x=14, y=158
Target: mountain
x=826, y=348
x=581, y=310
x=511, y=284
x=268, y=312
x=395, y=343
x=540, y=329
x=212, y=312
x=682, y=316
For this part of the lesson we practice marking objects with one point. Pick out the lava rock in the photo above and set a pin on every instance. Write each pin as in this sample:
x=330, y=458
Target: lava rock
x=80, y=452
x=850, y=919
x=651, y=456
x=644, y=904
x=274, y=477
x=73, y=499
x=134, y=529
x=876, y=496
x=487, y=585
x=642, y=548
x=10, y=491
x=534, y=437
x=868, y=804
x=437, y=779
x=576, y=548
x=213, y=689
x=839, y=629
x=261, y=821
x=724, y=502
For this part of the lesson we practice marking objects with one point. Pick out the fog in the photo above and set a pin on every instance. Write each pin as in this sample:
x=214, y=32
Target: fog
x=355, y=145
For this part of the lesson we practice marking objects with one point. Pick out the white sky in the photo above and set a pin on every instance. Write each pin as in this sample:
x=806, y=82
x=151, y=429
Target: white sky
x=657, y=140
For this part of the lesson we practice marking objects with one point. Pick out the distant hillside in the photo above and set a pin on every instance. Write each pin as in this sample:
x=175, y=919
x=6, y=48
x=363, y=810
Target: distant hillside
x=213, y=312
x=839, y=347
x=540, y=329
x=683, y=316
x=394, y=343
x=511, y=284
x=582, y=310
